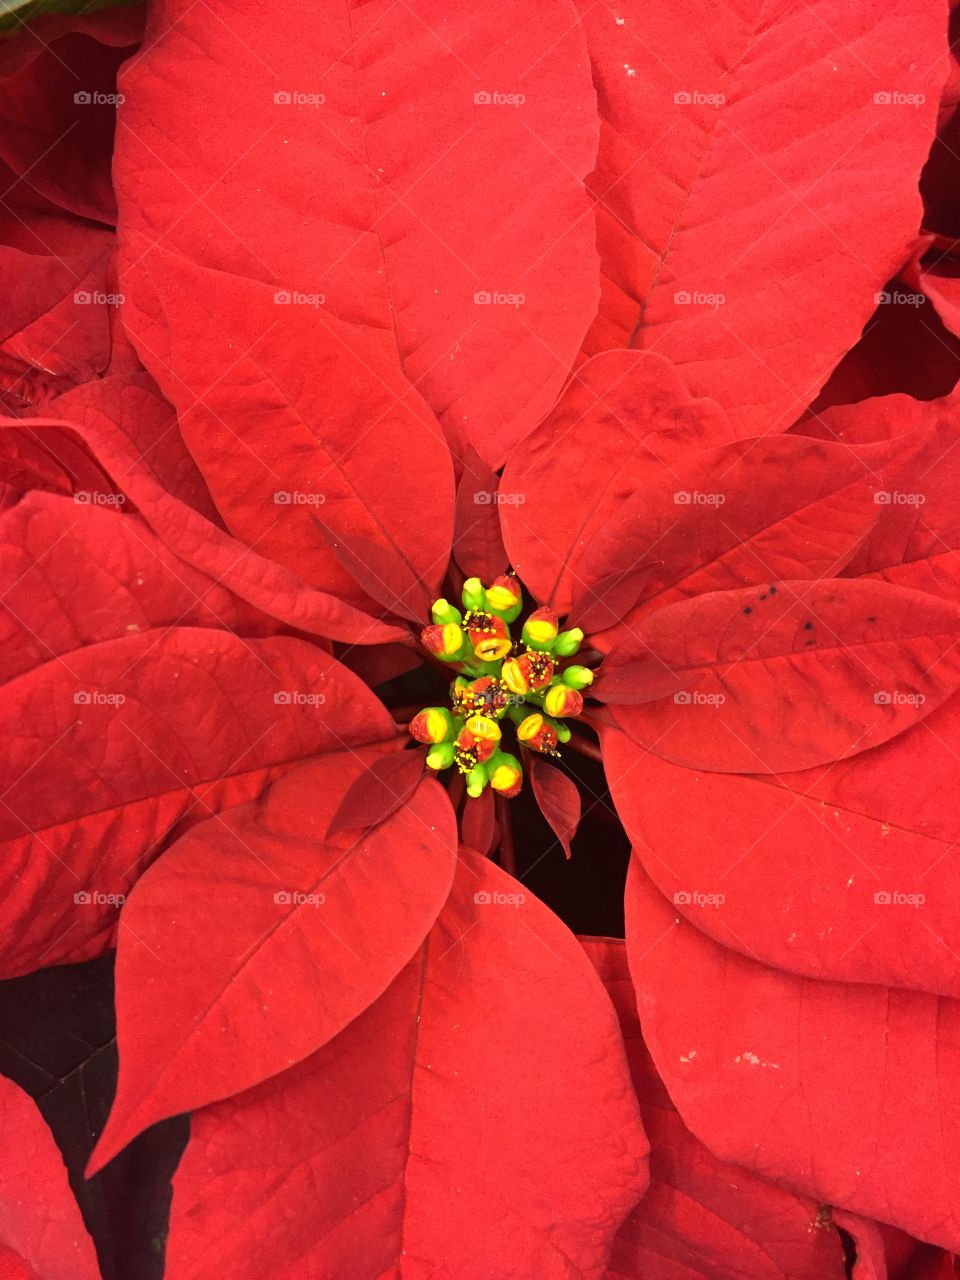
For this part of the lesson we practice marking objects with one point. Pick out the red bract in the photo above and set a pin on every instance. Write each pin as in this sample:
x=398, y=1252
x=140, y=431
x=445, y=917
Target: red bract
x=463, y=387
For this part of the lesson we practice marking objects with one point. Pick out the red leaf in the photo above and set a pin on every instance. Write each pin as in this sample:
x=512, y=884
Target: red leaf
x=81, y=573
x=477, y=540
x=852, y=863
x=747, y=513
x=58, y=105
x=111, y=750
x=302, y=933
x=759, y=1064
x=478, y=823
x=380, y=196
x=633, y=683
x=701, y=1217
x=42, y=1236
x=412, y=1135
x=607, y=600
x=292, y=479
x=54, y=312
x=718, y=214
x=619, y=428
x=259, y=581
x=558, y=798
x=877, y=658
x=387, y=783
x=126, y=412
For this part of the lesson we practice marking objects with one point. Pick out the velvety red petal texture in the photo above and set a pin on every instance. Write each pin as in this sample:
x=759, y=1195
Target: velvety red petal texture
x=857, y=882
x=303, y=933
x=276, y=416
x=41, y=1232
x=703, y=1219
x=497, y=1039
x=880, y=656
x=756, y=1061
x=353, y=164
x=748, y=155
x=113, y=746
x=617, y=429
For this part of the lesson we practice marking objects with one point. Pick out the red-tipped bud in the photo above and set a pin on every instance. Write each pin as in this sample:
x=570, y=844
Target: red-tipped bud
x=541, y=629
x=538, y=733
x=477, y=741
x=562, y=701
x=489, y=635
x=504, y=597
x=505, y=774
x=444, y=641
x=432, y=725
x=531, y=671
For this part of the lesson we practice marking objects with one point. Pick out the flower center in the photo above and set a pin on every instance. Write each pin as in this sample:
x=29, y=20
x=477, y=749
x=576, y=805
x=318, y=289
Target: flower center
x=528, y=684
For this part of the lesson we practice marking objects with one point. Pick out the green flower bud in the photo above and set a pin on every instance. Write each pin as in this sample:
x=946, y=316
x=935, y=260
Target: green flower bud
x=568, y=642
x=540, y=630
x=577, y=677
x=444, y=612
x=473, y=594
x=441, y=756
x=476, y=780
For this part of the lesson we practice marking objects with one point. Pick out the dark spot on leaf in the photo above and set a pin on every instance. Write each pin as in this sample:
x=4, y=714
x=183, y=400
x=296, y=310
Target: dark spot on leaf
x=809, y=642
x=808, y=626
x=747, y=609
x=871, y=618
x=773, y=590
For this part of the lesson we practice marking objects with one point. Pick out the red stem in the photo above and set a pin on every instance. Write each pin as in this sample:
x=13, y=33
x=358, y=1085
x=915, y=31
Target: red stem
x=508, y=854
x=456, y=788
x=584, y=747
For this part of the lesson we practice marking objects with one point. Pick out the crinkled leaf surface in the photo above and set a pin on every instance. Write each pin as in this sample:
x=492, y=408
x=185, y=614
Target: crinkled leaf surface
x=756, y=1059
x=315, y=447
x=877, y=656
x=419, y=169
x=41, y=1230
x=111, y=747
x=405, y=1147
x=748, y=155
x=702, y=1219
x=852, y=863
x=303, y=933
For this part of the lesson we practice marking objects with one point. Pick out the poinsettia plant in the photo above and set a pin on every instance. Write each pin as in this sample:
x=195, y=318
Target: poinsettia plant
x=482, y=641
